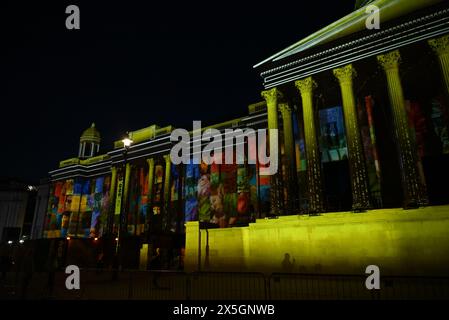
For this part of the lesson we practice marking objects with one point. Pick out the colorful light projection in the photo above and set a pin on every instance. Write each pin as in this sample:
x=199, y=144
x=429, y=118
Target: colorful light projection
x=176, y=214
x=440, y=123
x=78, y=208
x=333, y=140
x=429, y=126
x=300, y=149
x=138, y=200
x=367, y=132
x=224, y=195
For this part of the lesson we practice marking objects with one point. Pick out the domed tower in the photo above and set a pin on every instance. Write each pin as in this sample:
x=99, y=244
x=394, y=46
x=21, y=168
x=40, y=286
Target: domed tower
x=89, y=143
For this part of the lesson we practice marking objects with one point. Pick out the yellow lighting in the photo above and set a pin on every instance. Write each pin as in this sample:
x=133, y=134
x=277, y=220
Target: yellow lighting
x=68, y=238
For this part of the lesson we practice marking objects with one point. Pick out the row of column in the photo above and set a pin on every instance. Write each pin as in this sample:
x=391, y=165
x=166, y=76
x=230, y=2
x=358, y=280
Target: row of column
x=94, y=148
x=414, y=191
x=125, y=192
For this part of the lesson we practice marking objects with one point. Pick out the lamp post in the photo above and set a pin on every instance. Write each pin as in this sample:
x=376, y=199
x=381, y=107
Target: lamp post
x=122, y=223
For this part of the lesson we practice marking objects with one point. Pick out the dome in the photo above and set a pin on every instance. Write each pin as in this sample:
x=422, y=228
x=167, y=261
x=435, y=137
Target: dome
x=91, y=135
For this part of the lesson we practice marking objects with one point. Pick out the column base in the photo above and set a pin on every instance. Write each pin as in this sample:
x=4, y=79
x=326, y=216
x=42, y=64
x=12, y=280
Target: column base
x=359, y=208
x=314, y=213
x=414, y=204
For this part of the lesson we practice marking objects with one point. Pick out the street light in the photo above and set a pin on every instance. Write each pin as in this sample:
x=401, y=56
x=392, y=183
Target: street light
x=127, y=142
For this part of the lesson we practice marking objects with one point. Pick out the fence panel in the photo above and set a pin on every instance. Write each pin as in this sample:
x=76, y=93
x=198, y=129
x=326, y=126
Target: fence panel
x=227, y=286
x=318, y=287
x=158, y=285
x=36, y=287
x=414, y=288
x=60, y=291
x=105, y=285
x=145, y=285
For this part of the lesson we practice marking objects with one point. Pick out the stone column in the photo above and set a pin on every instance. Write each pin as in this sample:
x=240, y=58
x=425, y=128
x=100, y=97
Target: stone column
x=150, y=179
x=359, y=178
x=441, y=48
x=271, y=97
x=112, y=199
x=167, y=178
x=166, y=217
x=313, y=155
x=125, y=198
x=150, y=192
x=83, y=149
x=414, y=195
x=289, y=148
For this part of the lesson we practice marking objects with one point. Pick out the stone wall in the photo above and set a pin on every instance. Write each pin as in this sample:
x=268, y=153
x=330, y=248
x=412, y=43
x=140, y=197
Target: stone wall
x=400, y=242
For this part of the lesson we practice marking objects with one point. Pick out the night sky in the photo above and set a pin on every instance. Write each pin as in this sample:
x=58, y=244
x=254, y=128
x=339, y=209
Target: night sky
x=132, y=65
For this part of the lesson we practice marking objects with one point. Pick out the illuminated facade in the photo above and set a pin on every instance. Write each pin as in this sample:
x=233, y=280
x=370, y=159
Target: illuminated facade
x=142, y=192
x=363, y=122
x=368, y=90
x=372, y=107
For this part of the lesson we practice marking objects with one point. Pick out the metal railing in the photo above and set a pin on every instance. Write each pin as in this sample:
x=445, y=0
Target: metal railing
x=149, y=285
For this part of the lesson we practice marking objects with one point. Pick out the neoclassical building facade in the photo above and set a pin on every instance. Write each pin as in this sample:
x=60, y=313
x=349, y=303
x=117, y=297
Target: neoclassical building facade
x=372, y=77
x=363, y=124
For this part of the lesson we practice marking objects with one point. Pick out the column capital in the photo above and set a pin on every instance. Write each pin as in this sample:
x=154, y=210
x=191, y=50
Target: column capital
x=345, y=74
x=271, y=95
x=285, y=109
x=390, y=60
x=440, y=45
x=167, y=158
x=305, y=85
x=150, y=161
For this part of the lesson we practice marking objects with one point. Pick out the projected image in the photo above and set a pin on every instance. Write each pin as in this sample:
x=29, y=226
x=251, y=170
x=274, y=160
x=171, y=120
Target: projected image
x=78, y=208
x=333, y=140
x=175, y=207
x=191, y=203
x=300, y=150
x=222, y=195
x=138, y=200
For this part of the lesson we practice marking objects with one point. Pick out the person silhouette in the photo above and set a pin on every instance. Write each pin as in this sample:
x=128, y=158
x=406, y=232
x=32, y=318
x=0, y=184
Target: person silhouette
x=287, y=265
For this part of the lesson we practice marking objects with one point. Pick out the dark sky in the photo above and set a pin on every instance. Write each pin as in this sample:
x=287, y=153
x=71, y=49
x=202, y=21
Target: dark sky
x=131, y=65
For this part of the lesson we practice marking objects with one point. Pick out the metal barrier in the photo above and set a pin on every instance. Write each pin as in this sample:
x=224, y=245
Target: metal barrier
x=351, y=287
x=158, y=285
x=318, y=287
x=102, y=285
x=227, y=286
x=414, y=288
x=149, y=285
